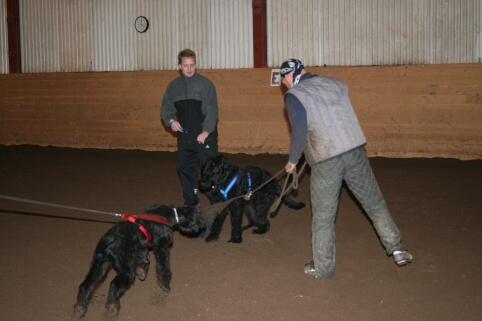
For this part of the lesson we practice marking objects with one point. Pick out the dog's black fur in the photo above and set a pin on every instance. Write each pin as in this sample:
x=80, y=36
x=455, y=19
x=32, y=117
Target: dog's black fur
x=217, y=173
x=125, y=248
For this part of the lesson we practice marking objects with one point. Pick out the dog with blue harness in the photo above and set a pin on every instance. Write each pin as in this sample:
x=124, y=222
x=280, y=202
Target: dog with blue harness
x=227, y=181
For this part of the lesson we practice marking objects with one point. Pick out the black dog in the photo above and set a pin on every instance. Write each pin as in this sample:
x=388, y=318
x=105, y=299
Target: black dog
x=225, y=181
x=125, y=247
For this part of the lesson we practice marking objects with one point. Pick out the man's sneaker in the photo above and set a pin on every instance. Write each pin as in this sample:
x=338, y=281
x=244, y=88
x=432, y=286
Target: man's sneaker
x=402, y=258
x=310, y=268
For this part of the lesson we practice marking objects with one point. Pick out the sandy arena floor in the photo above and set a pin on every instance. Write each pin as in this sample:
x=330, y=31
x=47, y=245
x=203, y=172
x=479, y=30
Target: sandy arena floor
x=46, y=251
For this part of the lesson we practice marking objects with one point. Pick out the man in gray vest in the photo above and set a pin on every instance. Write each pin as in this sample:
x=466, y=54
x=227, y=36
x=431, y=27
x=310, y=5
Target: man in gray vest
x=325, y=127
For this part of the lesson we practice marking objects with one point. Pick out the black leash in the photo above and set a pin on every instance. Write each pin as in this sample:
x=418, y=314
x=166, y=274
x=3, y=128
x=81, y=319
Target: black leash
x=57, y=205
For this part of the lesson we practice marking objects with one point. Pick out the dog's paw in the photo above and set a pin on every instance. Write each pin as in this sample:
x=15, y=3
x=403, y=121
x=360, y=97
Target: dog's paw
x=141, y=273
x=113, y=307
x=262, y=229
x=164, y=281
x=235, y=240
x=79, y=312
x=211, y=238
x=165, y=287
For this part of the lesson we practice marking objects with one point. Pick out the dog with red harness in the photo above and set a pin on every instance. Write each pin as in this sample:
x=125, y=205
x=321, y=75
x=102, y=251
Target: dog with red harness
x=125, y=248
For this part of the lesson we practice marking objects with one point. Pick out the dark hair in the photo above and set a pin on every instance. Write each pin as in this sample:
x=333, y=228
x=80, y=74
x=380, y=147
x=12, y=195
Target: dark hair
x=186, y=53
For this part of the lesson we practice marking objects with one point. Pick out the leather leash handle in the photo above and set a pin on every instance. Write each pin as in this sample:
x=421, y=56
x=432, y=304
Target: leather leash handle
x=294, y=185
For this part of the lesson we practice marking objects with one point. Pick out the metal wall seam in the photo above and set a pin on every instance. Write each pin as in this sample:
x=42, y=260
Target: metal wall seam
x=4, y=63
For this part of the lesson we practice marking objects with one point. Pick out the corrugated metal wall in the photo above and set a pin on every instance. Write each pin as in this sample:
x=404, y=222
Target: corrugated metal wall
x=3, y=38
x=39, y=36
x=374, y=32
x=99, y=35
x=93, y=35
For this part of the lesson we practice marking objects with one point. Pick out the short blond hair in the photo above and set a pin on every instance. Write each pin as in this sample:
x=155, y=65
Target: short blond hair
x=186, y=53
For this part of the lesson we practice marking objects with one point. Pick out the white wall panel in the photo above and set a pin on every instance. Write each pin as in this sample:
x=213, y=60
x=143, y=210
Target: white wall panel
x=192, y=23
x=374, y=32
x=76, y=30
x=4, y=67
x=219, y=31
x=39, y=38
x=99, y=35
x=231, y=25
x=113, y=35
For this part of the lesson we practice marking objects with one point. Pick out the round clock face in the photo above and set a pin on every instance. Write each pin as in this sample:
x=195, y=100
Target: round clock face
x=141, y=24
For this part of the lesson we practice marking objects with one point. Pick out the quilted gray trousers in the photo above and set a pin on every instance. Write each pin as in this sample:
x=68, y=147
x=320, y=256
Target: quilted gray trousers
x=326, y=181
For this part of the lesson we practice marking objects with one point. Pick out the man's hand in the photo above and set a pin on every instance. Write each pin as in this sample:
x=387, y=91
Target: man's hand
x=202, y=137
x=175, y=126
x=290, y=167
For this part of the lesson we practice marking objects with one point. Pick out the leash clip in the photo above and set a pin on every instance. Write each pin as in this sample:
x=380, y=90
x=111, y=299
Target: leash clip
x=248, y=195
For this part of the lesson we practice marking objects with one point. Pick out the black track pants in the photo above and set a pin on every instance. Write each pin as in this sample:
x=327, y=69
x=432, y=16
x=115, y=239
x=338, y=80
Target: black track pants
x=188, y=158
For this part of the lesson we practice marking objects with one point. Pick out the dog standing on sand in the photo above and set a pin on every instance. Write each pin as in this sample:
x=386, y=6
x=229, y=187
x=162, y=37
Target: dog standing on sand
x=225, y=180
x=125, y=248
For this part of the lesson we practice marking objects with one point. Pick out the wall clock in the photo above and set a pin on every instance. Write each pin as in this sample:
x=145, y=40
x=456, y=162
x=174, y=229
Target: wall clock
x=141, y=24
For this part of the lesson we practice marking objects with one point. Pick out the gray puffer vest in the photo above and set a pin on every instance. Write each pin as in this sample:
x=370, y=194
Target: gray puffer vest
x=333, y=127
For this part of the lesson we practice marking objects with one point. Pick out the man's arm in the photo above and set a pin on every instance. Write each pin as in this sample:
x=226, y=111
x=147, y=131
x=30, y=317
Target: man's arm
x=168, y=111
x=299, y=127
x=210, y=105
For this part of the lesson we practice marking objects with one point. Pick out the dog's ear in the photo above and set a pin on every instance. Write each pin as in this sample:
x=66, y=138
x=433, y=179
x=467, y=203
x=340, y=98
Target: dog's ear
x=187, y=211
x=191, y=222
x=228, y=165
x=210, y=161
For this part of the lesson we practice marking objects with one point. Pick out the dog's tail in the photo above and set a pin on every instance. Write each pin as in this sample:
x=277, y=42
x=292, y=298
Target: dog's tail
x=291, y=203
x=288, y=201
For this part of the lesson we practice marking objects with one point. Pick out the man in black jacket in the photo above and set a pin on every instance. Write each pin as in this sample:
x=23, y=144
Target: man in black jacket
x=190, y=108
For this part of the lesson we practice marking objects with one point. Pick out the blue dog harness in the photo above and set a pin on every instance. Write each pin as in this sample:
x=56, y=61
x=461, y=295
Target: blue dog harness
x=231, y=184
